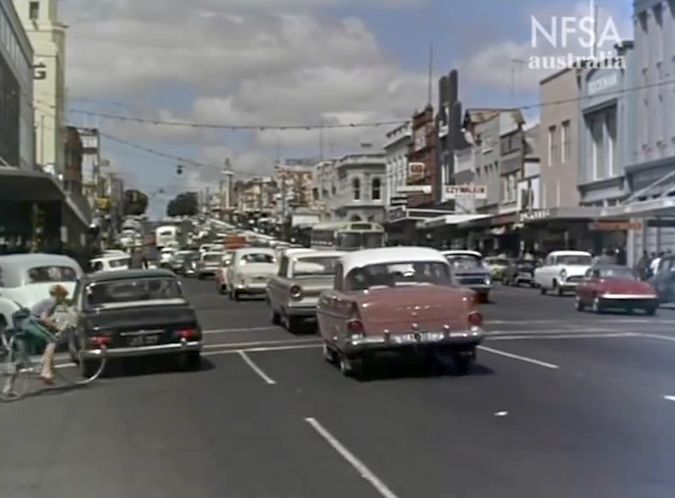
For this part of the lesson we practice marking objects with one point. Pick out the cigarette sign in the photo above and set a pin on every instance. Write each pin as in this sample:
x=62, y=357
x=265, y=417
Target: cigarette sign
x=610, y=226
x=417, y=171
x=466, y=192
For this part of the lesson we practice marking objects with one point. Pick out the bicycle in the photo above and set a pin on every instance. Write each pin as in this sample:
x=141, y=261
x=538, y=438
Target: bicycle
x=20, y=371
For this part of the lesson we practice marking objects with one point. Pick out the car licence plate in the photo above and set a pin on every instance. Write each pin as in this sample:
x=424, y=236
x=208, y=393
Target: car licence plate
x=418, y=337
x=144, y=340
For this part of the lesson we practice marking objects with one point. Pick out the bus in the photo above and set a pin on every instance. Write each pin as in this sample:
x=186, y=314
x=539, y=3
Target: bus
x=168, y=235
x=347, y=236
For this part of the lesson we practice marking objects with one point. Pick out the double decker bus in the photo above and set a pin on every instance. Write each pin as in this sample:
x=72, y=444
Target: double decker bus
x=347, y=236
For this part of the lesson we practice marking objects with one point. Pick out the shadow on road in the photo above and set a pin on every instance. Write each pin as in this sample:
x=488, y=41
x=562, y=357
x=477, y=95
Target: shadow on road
x=383, y=369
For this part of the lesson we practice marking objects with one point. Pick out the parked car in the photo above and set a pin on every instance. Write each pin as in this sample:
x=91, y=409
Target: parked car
x=134, y=313
x=615, y=287
x=110, y=263
x=562, y=271
x=496, y=265
x=293, y=293
x=27, y=278
x=221, y=273
x=208, y=265
x=397, y=300
x=249, y=272
x=520, y=271
x=467, y=270
x=664, y=280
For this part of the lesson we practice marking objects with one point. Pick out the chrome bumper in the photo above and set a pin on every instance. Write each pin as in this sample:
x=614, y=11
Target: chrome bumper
x=414, y=340
x=254, y=288
x=160, y=349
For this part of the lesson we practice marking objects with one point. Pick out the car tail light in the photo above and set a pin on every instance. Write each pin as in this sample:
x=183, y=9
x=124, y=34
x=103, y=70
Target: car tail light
x=188, y=334
x=355, y=327
x=99, y=341
x=475, y=319
x=296, y=292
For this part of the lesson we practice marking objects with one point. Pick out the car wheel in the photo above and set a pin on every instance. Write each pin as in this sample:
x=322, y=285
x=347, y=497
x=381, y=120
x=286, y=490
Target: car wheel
x=597, y=305
x=650, y=311
x=463, y=363
x=485, y=297
x=292, y=324
x=275, y=318
x=236, y=296
x=351, y=367
x=328, y=353
x=221, y=289
x=578, y=304
x=542, y=290
x=557, y=289
x=88, y=368
x=190, y=362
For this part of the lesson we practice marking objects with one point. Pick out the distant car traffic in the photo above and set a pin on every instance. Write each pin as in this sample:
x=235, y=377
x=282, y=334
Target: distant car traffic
x=177, y=261
x=110, y=263
x=165, y=256
x=519, y=272
x=190, y=262
x=249, y=272
x=293, y=293
x=496, y=265
x=467, y=270
x=615, y=287
x=209, y=263
x=397, y=300
x=562, y=271
x=134, y=313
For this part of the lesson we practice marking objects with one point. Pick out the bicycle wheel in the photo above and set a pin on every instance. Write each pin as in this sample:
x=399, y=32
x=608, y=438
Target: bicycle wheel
x=18, y=372
x=81, y=372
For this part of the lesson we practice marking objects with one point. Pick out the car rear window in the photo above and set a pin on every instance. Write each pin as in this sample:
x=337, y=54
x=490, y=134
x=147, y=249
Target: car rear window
x=45, y=274
x=257, y=258
x=99, y=294
x=315, y=266
x=398, y=274
x=464, y=261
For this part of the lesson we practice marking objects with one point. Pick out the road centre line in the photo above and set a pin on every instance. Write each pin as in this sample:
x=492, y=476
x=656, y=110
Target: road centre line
x=518, y=357
x=657, y=336
x=256, y=368
x=360, y=467
x=262, y=349
x=552, y=337
x=492, y=333
x=669, y=398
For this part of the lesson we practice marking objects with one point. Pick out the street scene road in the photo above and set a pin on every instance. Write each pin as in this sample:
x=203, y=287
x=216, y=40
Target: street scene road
x=558, y=404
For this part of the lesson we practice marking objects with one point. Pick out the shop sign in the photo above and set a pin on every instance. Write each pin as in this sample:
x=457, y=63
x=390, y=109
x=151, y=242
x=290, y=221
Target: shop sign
x=396, y=214
x=535, y=215
x=603, y=84
x=467, y=191
x=612, y=226
x=414, y=189
x=416, y=171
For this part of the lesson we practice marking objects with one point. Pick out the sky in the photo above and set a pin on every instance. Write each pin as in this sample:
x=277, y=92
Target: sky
x=289, y=62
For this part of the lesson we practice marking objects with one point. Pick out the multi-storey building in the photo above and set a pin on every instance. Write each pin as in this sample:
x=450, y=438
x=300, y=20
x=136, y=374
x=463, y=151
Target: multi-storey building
x=48, y=38
x=295, y=181
x=16, y=91
x=360, y=188
x=423, y=157
x=396, y=151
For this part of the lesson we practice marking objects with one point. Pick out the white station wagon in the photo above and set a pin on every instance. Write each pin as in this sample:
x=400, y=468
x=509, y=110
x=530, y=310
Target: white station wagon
x=562, y=271
x=249, y=272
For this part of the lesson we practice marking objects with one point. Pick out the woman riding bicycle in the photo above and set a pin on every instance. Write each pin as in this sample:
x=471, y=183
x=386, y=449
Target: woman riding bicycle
x=42, y=325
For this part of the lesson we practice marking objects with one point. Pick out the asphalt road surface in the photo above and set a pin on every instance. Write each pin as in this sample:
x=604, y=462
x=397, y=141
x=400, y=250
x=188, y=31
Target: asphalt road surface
x=559, y=404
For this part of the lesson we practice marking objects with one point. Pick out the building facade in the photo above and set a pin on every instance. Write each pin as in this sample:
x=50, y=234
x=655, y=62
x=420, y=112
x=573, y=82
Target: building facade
x=48, y=38
x=16, y=91
x=559, y=139
x=360, y=188
x=423, y=151
x=295, y=180
x=72, y=174
x=396, y=157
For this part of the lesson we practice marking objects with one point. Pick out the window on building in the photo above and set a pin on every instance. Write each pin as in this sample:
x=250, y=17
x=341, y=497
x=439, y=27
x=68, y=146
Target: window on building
x=597, y=144
x=356, y=189
x=377, y=189
x=611, y=142
x=34, y=11
x=552, y=148
x=566, y=140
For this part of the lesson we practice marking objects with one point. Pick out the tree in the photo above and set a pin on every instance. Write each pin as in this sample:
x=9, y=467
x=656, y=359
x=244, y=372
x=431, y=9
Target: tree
x=185, y=204
x=135, y=203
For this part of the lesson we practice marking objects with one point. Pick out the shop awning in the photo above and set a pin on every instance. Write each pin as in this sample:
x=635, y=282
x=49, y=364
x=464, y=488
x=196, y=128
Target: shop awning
x=559, y=213
x=661, y=206
x=400, y=214
x=452, y=220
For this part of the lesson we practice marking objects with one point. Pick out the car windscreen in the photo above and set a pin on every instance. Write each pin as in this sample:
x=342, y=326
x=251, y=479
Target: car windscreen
x=212, y=258
x=100, y=294
x=386, y=275
x=258, y=257
x=315, y=266
x=622, y=272
x=464, y=261
x=581, y=260
x=45, y=274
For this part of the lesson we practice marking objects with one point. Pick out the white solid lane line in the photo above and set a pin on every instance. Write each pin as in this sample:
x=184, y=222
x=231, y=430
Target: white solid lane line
x=262, y=349
x=247, y=345
x=256, y=368
x=658, y=336
x=351, y=459
x=552, y=337
x=669, y=398
x=518, y=357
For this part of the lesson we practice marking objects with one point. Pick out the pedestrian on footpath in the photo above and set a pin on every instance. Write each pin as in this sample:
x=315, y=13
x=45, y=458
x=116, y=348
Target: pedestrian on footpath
x=654, y=266
x=642, y=265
